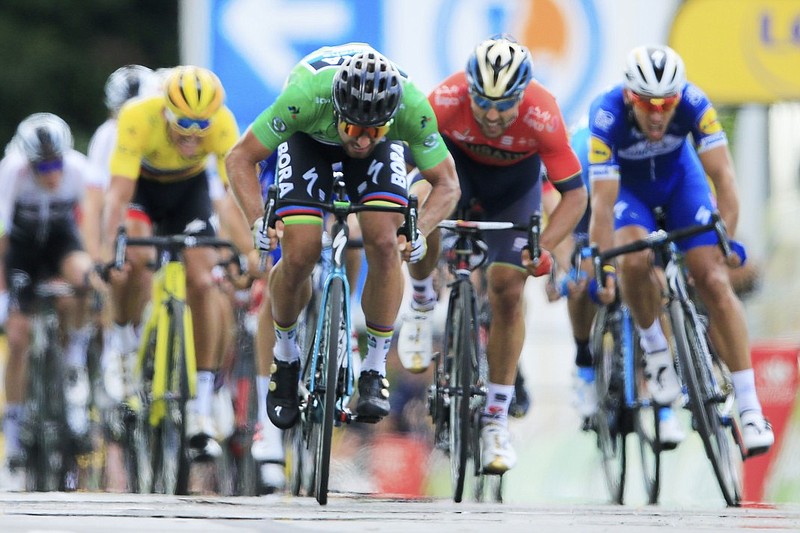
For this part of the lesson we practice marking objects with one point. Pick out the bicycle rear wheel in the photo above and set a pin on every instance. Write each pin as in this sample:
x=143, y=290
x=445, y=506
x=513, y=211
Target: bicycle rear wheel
x=462, y=345
x=323, y=397
x=706, y=401
x=611, y=422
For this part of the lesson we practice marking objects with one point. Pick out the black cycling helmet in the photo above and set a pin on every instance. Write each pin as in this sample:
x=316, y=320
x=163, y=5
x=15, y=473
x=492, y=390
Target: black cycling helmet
x=367, y=89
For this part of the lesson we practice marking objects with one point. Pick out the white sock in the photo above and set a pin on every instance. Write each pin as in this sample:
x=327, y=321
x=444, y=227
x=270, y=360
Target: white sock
x=205, y=392
x=78, y=346
x=744, y=386
x=423, y=294
x=498, y=398
x=652, y=338
x=378, y=344
x=262, y=386
x=286, y=348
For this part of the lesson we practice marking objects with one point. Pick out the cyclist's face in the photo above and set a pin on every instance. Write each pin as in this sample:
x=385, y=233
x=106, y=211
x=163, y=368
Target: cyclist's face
x=491, y=120
x=652, y=115
x=49, y=173
x=359, y=142
x=187, y=145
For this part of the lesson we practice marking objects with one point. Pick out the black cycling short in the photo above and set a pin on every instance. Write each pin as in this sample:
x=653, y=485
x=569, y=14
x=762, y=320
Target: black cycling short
x=36, y=261
x=305, y=172
x=175, y=208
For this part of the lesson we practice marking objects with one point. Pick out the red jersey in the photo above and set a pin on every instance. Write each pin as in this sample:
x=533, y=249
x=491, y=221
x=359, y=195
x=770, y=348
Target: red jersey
x=539, y=129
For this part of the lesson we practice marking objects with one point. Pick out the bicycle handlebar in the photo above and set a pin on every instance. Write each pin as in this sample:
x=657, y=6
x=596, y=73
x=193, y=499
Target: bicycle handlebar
x=660, y=238
x=172, y=243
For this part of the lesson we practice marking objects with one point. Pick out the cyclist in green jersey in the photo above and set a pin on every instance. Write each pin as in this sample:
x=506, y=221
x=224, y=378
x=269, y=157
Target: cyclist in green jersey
x=346, y=104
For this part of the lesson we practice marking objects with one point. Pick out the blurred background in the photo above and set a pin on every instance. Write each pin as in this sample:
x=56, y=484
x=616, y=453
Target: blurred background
x=56, y=57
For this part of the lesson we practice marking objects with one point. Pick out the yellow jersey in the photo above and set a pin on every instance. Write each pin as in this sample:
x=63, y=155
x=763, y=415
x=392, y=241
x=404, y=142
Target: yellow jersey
x=143, y=146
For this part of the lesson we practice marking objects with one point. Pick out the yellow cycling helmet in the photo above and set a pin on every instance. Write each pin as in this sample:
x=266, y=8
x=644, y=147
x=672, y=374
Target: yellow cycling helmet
x=193, y=92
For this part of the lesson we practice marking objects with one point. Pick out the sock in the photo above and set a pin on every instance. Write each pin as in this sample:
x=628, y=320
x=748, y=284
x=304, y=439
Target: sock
x=286, y=348
x=78, y=346
x=11, y=423
x=583, y=356
x=744, y=386
x=379, y=340
x=498, y=398
x=423, y=294
x=205, y=391
x=652, y=338
x=262, y=386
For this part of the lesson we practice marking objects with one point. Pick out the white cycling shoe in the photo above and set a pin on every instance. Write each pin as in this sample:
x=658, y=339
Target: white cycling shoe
x=757, y=435
x=670, y=432
x=662, y=379
x=415, y=340
x=497, y=455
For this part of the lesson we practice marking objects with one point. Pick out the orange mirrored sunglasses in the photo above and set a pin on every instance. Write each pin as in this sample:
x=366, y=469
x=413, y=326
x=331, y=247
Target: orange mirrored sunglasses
x=373, y=132
x=653, y=105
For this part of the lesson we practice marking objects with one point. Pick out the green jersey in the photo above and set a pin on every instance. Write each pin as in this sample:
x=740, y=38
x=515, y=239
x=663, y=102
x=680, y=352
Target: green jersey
x=306, y=105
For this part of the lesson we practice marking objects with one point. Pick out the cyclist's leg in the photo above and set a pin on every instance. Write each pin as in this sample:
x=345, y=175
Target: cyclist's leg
x=75, y=269
x=18, y=336
x=728, y=332
x=290, y=278
x=642, y=294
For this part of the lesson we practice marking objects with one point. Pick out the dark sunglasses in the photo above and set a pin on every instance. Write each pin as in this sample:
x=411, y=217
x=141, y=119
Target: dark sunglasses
x=43, y=167
x=503, y=104
x=653, y=105
x=373, y=132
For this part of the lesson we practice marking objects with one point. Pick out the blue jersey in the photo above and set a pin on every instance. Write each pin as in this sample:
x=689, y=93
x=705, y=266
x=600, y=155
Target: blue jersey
x=665, y=173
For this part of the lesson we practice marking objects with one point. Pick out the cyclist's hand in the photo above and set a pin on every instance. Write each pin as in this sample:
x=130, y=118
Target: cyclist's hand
x=264, y=238
x=607, y=294
x=414, y=251
x=739, y=256
x=254, y=265
x=3, y=307
x=540, y=266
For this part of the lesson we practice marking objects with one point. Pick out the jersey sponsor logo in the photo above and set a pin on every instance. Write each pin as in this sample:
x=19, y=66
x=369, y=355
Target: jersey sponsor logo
x=424, y=121
x=294, y=110
x=446, y=96
x=493, y=153
x=709, y=122
x=604, y=119
x=540, y=119
x=466, y=137
x=278, y=125
x=195, y=226
x=645, y=149
x=599, y=151
x=322, y=101
x=431, y=141
x=693, y=95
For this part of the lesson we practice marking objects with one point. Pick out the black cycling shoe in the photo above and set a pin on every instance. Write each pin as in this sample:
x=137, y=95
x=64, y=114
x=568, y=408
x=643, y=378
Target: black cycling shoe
x=373, y=395
x=283, y=406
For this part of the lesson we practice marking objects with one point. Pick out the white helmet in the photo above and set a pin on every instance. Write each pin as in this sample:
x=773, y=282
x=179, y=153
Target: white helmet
x=42, y=137
x=127, y=82
x=655, y=71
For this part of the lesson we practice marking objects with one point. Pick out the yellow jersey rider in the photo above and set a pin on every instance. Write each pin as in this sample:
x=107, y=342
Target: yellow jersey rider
x=158, y=167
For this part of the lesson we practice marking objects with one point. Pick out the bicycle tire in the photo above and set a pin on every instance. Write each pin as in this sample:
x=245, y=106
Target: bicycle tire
x=462, y=344
x=610, y=420
x=140, y=435
x=646, y=426
x=174, y=471
x=694, y=358
x=324, y=395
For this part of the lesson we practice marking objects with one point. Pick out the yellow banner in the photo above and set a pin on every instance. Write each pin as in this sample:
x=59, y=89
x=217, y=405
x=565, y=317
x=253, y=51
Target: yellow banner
x=741, y=51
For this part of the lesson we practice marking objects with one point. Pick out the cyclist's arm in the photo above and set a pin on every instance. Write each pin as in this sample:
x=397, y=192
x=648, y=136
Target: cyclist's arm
x=718, y=164
x=92, y=220
x=444, y=195
x=120, y=194
x=241, y=164
x=601, y=224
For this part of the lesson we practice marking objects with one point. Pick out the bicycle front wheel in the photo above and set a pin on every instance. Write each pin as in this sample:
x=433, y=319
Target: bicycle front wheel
x=323, y=402
x=462, y=345
x=611, y=420
x=706, y=400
